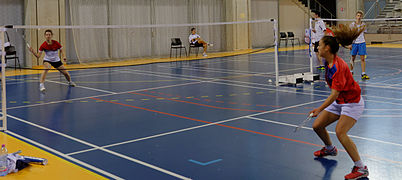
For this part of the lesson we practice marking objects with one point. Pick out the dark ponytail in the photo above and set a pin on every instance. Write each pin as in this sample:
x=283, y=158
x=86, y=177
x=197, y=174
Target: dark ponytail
x=346, y=35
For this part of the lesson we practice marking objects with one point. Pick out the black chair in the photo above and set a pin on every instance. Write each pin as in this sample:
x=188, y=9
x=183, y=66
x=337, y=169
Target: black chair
x=291, y=37
x=283, y=37
x=11, y=53
x=177, y=44
x=194, y=46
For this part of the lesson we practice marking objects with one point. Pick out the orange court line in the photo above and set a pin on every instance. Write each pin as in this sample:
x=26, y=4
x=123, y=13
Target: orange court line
x=216, y=107
x=207, y=122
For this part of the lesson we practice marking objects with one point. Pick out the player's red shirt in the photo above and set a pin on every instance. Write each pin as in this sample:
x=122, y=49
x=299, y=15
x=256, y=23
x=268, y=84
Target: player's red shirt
x=51, y=51
x=329, y=32
x=340, y=78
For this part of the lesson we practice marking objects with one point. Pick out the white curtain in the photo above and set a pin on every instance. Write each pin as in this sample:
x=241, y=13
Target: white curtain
x=208, y=11
x=116, y=44
x=129, y=43
x=262, y=33
x=90, y=44
x=169, y=12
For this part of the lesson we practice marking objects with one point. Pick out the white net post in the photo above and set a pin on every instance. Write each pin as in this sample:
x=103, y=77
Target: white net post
x=276, y=52
x=310, y=48
x=3, y=82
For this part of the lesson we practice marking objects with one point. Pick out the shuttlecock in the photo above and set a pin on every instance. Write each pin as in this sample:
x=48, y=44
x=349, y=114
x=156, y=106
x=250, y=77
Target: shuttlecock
x=269, y=80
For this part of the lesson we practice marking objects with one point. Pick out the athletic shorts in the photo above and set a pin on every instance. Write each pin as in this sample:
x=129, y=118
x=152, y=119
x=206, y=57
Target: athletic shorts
x=316, y=46
x=55, y=64
x=358, y=49
x=196, y=44
x=353, y=110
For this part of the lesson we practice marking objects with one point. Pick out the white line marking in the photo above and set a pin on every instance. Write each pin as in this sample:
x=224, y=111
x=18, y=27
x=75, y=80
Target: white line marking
x=93, y=168
x=84, y=87
x=352, y=136
x=330, y=132
x=100, y=148
x=196, y=127
x=102, y=95
x=232, y=82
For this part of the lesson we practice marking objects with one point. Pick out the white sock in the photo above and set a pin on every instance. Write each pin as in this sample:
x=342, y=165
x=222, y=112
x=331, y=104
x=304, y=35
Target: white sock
x=363, y=73
x=329, y=147
x=359, y=164
x=41, y=84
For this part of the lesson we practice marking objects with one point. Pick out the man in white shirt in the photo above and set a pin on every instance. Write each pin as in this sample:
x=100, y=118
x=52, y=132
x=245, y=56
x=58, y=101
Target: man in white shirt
x=196, y=40
x=319, y=32
x=359, y=45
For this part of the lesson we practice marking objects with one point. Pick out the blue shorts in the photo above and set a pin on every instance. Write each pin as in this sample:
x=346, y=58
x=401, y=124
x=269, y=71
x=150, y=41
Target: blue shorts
x=353, y=110
x=358, y=49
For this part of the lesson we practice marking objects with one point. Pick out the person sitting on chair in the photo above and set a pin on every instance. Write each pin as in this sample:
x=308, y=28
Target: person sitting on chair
x=196, y=40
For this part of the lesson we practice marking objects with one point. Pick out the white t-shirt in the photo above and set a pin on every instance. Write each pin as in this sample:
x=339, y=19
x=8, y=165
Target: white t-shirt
x=193, y=36
x=359, y=39
x=319, y=28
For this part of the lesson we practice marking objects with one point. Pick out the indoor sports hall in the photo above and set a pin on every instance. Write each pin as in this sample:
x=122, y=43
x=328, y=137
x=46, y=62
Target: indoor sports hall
x=200, y=89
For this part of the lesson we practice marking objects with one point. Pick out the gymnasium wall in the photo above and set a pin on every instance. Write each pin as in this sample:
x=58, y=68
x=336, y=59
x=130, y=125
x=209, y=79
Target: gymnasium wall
x=12, y=12
x=60, y=12
x=293, y=17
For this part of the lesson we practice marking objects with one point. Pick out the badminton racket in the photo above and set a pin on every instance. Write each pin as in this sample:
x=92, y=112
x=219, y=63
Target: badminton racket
x=304, y=122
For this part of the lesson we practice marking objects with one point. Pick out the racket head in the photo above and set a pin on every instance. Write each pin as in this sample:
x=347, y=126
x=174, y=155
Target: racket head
x=309, y=118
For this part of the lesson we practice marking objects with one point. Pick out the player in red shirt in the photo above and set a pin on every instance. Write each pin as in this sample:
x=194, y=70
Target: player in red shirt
x=344, y=105
x=51, y=48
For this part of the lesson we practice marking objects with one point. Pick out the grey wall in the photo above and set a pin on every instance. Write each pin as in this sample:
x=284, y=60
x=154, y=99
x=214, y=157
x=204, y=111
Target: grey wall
x=261, y=34
x=12, y=12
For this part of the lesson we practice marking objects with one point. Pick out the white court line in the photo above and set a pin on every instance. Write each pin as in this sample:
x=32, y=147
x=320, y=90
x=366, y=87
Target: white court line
x=100, y=148
x=168, y=67
x=220, y=70
x=196, y=127
x=68, y=157
x=239, y=73
x=36, y=79
x=352, y=136
x=233, y=83
x=330, y=132
x=83, y=87
x=102, y=95
x=214, y=81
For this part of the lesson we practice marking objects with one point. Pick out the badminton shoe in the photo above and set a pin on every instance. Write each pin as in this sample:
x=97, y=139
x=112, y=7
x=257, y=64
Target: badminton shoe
x=357, y=173
x=72, y=84
x=365, y=77
x=204, y=54
x=42, y=87
x=325, y=152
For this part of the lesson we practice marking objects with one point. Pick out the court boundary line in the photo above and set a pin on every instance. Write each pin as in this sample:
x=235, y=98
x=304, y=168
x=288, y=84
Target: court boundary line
x=330, y=132
x=242, y=129
x=196, y=127
x=102, y=149
x=254, y=85
x=102, y=95
x=65, y=156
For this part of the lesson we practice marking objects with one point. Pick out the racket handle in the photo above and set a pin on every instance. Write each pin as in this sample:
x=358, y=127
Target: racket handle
x=42, y=161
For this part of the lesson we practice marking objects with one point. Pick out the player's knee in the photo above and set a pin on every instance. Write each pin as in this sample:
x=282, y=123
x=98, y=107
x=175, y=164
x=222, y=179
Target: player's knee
x=318, y=127
x=340, y=132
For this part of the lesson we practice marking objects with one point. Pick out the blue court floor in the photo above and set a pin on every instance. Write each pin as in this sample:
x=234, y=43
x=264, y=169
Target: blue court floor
x=208, y=119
